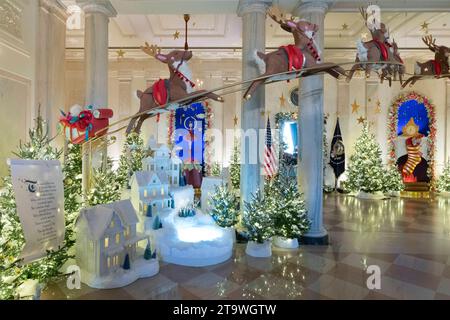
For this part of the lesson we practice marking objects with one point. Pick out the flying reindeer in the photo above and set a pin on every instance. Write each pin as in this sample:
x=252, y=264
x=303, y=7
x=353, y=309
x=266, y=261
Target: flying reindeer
x=303, y=54
x=162, y=92
x=396, y=69
x=377, y=49
x=437, y=67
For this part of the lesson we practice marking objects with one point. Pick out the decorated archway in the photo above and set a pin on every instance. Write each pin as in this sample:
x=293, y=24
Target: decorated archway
x=412, y=135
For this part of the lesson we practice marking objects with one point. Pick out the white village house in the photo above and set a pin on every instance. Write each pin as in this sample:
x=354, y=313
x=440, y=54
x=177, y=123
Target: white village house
x=105, y=235
x=150, y=192
x=163, y=161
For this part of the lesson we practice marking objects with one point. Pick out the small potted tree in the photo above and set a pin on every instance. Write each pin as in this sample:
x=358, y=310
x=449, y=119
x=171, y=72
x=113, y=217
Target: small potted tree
x=224, y=208
x=290, y=215
x=443, y=182
x=258, y=221
x=393, y=182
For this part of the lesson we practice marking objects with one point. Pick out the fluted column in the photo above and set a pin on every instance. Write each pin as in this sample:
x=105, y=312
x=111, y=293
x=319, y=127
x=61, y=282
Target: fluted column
x=50, y=60
x=310, y=122
x=447, y=121
x=253, y=14
x=97, y=14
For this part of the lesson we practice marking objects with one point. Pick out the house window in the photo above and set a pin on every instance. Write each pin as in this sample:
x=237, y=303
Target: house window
x=111, y=225
x=115, y=260
x=162, y=191
x=152, y=167
x=91, y=245
x=154, y=192
x=145, y=208
x=175, y=180
x=106, y=242
x=145, y=193
x=117, y=237
x=175, y=167
x=127, y=231
x=109, y=262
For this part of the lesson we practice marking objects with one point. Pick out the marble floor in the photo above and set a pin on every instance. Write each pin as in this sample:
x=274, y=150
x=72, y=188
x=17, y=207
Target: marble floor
x=408, y=238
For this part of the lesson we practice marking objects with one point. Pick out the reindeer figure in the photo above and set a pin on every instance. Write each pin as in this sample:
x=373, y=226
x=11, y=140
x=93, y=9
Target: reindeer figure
x=303, y=54
x=178, y=86
x=372, y=51
x=394, y=69
x=437, y=67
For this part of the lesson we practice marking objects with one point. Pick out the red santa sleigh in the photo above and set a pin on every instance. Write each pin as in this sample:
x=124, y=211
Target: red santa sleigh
x=80, y=125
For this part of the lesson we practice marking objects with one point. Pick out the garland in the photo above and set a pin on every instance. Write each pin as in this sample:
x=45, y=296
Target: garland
x=393, y=122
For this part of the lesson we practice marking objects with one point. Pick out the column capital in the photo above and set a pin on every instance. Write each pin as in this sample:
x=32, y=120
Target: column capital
x=253, y=6
x=55, y=7
x=308, y=6
x=98, y=6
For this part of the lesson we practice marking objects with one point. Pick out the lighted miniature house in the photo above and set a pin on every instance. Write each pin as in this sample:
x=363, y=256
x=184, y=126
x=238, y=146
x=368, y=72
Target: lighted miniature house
x=107, y=241
x=150, y=192
x=163, y=161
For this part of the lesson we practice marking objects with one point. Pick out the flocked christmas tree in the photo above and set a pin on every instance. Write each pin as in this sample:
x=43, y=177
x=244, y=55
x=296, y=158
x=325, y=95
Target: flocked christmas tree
x=392, y=179
x=104, y=188
x=72, y=179
x=12, y=274
x=258, y=218
x=224, y=207
x=289, y=215
x=133, y=153
x=443, y=182
x=365, y=171
x=235, y=166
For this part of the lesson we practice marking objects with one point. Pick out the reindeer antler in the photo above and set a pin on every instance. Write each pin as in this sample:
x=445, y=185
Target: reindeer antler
x=274, y=12
x=430, y=42
x=151, y=50
x=364, y=14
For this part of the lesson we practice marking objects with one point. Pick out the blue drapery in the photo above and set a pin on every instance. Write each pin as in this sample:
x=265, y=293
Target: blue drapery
x=190, y=125
x=417, y=111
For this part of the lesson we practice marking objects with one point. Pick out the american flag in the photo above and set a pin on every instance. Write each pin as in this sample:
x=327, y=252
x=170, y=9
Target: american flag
x=270, y=164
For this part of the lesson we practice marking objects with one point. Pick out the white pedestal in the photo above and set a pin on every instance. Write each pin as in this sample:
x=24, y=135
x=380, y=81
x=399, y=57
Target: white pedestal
x=285, y=243
x=259, y=250
x=370, y=196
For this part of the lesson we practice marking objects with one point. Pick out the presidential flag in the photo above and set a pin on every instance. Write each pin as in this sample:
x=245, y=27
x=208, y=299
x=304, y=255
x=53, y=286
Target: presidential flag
x=270, y=164
x=337, y=153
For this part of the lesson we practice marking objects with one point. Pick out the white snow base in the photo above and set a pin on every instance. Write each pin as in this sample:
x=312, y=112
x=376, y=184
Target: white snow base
x=259, y=250
x=285, y=243
x=140, y=268
x=393, y=194
x=444, y=194
x=372, y=196
x=194, y=241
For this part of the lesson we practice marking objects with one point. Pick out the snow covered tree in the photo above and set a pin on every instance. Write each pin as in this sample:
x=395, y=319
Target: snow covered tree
x=216, y=170
x=258, y=217
x=12, y=273
x=235, y=166
x=126, y=263
x=392, y=179
x=365, y=171
x=443, y=182
x=133, y=153
x=156, y=223
x=148, y=251
x=72, y=179
x=290, y=215
x=224, y=207
x=105, y=188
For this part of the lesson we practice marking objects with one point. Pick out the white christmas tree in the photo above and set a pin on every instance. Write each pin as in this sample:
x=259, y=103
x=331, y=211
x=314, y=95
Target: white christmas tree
x=133, y=153
x=443, y=183
x=235, y=166
x=392, y=179
x=258, y=217
x=105, y=188
x=224, y=207
x=365, y=171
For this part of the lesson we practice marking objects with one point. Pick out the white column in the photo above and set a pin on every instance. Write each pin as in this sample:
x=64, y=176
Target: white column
x=97, y=14
x=50, y=60
x=447, y=121
x=310, y=122
x=253, y=13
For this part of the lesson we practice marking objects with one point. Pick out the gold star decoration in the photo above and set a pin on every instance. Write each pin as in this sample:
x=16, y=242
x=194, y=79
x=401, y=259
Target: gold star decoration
x=120, y=54
x=424, y=26
x=361, y=119
x=282, y=100
x=263, y=113
x=235, y=119
x=176, y=35
x=355, y=107
x=345, y=26
x=378, y=107
x=364, y=36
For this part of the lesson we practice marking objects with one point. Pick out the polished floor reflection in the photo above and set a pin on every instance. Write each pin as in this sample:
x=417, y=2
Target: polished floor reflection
x=407, y=238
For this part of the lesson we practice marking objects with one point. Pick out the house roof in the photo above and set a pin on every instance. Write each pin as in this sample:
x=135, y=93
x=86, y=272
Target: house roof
x=99, y=217
x=143, y=178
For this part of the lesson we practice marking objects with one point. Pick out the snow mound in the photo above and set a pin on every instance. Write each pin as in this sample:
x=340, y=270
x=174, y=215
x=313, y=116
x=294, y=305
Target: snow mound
x=194, y=241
